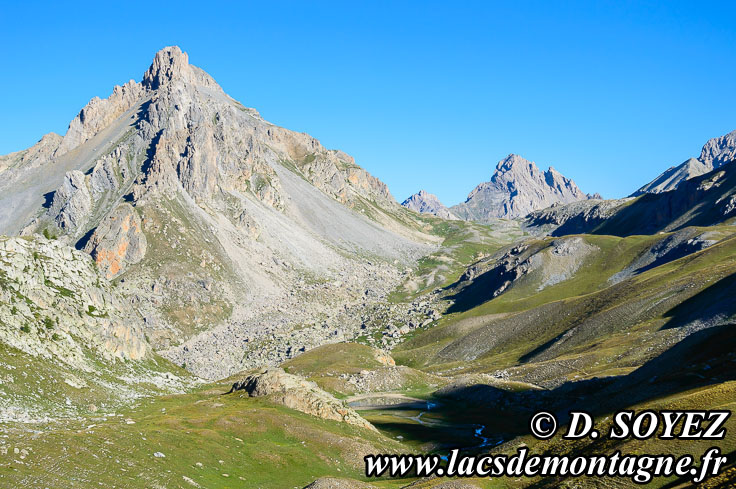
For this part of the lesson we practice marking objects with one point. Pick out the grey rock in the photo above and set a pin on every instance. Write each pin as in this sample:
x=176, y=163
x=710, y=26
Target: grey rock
x=719, y=151
x=214, y=194
x=300, y=394
x=426, y=203
x=72, y=203
x=118, y=241
x=673, y=176
x=700, y=201
x=58, y=296
x=577, y=217
x=517, y=188
x=37, y=154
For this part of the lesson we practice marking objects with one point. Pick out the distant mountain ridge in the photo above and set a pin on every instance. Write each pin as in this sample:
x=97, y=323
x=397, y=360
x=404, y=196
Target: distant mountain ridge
x=705, y=200
x=716, y=152
x=426, y=203
x=517, y=188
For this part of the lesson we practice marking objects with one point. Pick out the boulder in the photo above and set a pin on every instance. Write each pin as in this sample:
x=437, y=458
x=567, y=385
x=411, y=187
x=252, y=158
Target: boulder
x=299, y=394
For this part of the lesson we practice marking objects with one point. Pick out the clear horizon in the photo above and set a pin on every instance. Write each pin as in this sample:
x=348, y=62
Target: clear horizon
x=424, y=96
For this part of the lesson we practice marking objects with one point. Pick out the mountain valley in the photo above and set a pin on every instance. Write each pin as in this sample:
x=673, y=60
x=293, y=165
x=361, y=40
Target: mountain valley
x=191, y=296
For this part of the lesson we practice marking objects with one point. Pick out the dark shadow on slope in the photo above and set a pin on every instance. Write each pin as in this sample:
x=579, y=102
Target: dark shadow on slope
x=48, y=199
x=579, y=224
x=480, y=290
x=701, y=359
x=150, y=153
x=680, y=250
x=696, y=202
x=715, y=302
x=84, y=239
x=540, y=349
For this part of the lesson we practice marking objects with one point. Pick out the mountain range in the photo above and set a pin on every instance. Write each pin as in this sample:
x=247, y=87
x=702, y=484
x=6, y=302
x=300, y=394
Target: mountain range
x=516, y=188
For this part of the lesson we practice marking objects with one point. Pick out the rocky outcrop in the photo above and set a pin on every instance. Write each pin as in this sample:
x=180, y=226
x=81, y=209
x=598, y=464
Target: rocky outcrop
x=544, y=264
x=98, y=114
x=715, y=153
x=72, y=203
x=517, y=188
x=118, y=241
x=728, y=206
x=55, y=304
x=719, y=151
x=297, y=393
x=673, y=176
x=426, y=203
x=575, y=218
x=674, y=246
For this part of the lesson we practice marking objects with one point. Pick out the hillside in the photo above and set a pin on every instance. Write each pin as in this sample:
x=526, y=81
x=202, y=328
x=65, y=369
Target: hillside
x=707, y=200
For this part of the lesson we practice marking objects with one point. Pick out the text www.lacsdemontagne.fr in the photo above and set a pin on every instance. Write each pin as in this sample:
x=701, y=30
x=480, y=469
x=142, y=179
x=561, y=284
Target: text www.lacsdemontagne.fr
x=641, y=469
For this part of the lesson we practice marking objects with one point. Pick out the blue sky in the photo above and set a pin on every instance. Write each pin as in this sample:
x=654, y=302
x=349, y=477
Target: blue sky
x=423, y=94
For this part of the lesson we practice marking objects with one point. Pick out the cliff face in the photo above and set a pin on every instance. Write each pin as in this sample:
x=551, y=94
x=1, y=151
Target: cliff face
x=517, y=188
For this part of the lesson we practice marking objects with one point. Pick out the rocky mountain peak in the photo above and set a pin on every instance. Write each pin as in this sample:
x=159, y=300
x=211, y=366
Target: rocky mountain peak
x=426, y=203
x=169, y=63
x=512, y=162
x=515, y=189
x=170, y=177
x=719, y=151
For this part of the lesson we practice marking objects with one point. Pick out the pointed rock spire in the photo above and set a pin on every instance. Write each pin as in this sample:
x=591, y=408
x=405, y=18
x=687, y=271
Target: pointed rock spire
x=168, y=64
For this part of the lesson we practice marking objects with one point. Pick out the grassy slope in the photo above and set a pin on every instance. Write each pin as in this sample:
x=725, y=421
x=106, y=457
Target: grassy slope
x=41, y=387
x=325, y=366
x=256, y=443
x=463, y=243
x=538, y=318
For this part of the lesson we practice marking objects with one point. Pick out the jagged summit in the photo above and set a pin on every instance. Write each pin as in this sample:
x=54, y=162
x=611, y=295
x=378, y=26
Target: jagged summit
x=514, y=162
x=169, y=63
x=515, y=189
x=426, y=203
x=718, y=151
